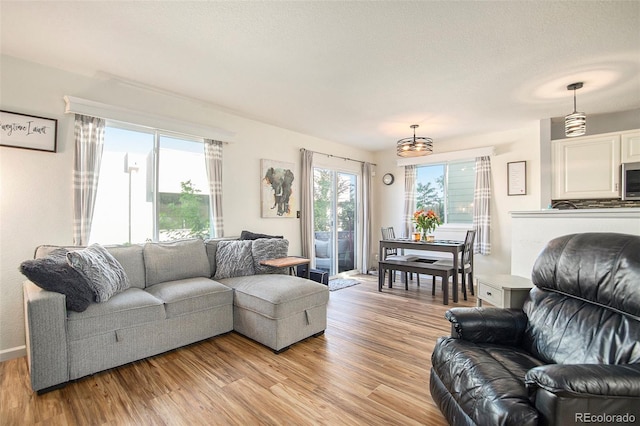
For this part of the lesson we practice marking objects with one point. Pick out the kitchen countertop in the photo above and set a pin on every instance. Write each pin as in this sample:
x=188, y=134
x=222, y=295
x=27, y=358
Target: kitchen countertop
x=632, y=212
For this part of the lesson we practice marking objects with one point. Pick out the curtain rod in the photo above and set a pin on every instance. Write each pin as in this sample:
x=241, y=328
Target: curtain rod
x=337, y=156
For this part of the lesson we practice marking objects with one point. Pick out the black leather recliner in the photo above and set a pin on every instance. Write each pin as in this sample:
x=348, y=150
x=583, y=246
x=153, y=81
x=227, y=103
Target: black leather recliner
x=571, y=356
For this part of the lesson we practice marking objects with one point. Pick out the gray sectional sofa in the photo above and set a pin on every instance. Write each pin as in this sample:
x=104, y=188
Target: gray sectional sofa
x=178, y=293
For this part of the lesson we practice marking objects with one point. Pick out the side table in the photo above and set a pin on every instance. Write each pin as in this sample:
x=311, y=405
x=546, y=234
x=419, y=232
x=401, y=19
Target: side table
x=503, y=291
x=288, y=262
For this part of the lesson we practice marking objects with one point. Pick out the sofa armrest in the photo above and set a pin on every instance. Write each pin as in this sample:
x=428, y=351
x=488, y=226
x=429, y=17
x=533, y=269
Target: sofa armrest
x=487, y=325
x=586, y=380
x=45, y=315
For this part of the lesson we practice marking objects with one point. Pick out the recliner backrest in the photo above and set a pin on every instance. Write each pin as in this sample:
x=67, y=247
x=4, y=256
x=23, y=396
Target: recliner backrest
x=585, y=307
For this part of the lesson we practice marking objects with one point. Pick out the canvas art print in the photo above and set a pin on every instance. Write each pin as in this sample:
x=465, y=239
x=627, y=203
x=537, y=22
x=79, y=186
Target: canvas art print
x=278, y=196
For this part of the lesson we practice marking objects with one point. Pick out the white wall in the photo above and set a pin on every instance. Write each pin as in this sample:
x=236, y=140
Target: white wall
x=514, y=145
x=36, y=204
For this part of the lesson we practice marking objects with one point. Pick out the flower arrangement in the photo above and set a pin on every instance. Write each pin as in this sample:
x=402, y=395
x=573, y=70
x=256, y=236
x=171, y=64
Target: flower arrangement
x=426, y=220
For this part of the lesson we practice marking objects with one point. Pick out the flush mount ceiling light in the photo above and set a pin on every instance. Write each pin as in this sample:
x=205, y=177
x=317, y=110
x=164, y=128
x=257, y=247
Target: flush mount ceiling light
x=575, y=124
x=415, y=146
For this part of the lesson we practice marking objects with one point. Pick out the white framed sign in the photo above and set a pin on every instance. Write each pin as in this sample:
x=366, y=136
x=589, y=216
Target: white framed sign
x=517, y=178
x=28, y=131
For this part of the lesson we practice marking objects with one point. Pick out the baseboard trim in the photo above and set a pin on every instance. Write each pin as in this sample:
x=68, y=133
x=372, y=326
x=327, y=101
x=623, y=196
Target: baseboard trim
x=11, y=353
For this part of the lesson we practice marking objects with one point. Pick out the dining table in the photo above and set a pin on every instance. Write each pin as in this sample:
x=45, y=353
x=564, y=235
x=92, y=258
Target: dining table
x=450, y=246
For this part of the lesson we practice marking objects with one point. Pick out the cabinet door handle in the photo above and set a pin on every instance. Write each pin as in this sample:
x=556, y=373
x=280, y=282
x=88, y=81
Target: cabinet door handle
x=488, y=293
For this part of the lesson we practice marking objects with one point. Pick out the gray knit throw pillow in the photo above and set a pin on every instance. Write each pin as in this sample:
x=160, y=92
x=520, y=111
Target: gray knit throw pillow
x=233, y=259
x=103, y=272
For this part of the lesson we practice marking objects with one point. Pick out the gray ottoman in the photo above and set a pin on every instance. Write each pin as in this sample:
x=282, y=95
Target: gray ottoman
x=278, y=310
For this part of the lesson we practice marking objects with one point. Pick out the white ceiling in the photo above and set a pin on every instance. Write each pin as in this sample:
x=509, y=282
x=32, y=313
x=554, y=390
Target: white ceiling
x=358, y=73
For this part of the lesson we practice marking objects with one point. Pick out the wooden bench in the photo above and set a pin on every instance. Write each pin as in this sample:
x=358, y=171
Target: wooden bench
x=443, y=271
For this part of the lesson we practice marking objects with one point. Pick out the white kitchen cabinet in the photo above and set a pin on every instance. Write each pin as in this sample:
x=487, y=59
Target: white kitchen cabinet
x=630, y=146
x=586, y=167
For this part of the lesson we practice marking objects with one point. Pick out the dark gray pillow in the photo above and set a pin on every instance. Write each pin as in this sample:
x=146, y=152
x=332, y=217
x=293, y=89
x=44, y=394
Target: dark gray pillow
x=102, y=271
x=233, y=259
x=269, y=248
x=53, y=273
x=248, y=235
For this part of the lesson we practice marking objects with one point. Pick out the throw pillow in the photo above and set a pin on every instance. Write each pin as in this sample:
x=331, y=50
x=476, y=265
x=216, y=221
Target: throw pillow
x=322, y=249
x=53, y=273
x=103, y=272
x=248, y=235
x=269, y=248
x=233, y=259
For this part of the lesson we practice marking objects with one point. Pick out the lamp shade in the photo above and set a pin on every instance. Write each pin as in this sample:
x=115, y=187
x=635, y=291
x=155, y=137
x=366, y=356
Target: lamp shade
x=415, y=146
x=575, y=124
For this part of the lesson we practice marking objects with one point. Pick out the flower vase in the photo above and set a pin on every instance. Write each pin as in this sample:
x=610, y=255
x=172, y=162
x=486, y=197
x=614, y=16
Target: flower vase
x=427, y=236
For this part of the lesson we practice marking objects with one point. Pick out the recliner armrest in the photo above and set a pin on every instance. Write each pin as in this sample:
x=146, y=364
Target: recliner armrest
x=586, y=380
x=487, y=325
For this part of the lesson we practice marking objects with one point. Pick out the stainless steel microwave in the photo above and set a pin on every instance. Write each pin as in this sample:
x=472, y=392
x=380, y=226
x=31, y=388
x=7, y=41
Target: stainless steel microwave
x=631, y=181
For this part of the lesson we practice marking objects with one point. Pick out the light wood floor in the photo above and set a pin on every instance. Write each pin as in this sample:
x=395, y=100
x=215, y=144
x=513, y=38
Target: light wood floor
x=370, y=367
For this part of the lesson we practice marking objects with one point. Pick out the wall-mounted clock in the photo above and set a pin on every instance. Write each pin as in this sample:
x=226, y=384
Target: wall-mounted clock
x=387, y=179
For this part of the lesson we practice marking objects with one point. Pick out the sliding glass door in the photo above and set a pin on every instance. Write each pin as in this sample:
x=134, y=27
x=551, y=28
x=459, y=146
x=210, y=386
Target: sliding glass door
x=335, y=220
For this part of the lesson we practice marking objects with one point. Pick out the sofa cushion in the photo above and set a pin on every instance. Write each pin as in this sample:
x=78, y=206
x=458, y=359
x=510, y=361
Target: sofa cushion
x=191, y=295
x=132, y=261
x=276, y=296
x=486, y=380
x=54, y=273
x=234, y=259
x=176, y=260
x=269, y=248
x=101, y=270
x=130, y=308
x=46, y=249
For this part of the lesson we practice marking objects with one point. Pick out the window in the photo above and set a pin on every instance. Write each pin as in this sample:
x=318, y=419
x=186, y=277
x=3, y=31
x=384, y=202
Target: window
x=144, y=196
x=447, y=189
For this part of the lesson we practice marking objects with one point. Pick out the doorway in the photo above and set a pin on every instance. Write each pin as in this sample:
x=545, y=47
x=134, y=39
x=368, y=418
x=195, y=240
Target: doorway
x=335, y=214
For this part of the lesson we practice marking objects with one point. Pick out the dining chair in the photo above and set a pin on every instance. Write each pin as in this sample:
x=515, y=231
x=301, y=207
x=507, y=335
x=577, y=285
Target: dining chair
x=394, y=254
x=465, y=267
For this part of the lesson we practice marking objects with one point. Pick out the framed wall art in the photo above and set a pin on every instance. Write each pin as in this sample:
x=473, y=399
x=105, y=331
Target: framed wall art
x=28, y=131
x=517, y=178
x=278, y=195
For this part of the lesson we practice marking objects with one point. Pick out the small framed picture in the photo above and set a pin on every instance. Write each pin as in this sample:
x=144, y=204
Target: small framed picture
x=517, y=178
x=28, y=131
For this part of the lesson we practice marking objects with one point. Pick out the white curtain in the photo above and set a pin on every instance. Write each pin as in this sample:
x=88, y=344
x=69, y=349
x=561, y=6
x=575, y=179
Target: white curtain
x=481, y=206
x=366, y=215
x=306, y=204
x=409, y=199
x=213, y=163
x=89, y=140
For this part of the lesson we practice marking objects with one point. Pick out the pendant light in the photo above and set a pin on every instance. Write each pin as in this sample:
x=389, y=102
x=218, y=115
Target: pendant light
x=414, y=146
x=575, y=124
